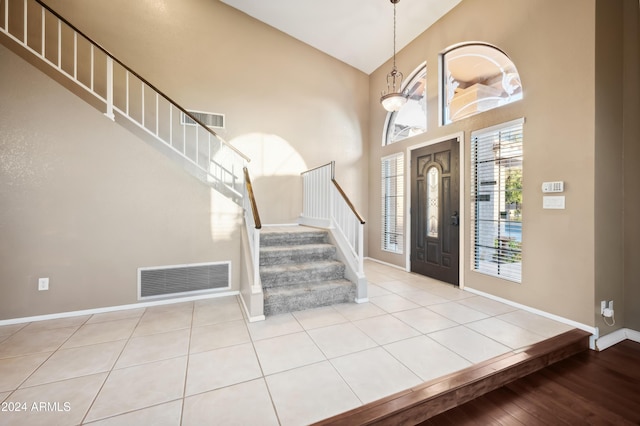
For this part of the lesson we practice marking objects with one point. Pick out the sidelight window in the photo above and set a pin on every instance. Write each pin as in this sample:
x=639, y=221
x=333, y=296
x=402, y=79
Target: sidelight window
x=496, y=200
x=393, y=203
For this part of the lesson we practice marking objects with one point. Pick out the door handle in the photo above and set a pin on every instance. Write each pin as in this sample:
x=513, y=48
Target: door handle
x=455, y=219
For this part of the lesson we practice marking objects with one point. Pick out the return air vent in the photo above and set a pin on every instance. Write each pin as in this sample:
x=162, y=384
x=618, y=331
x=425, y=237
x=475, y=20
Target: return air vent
x=207, y=118
x=180, y=280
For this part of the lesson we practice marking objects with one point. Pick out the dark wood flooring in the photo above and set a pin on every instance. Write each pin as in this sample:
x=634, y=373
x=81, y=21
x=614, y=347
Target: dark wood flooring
x=590, y=388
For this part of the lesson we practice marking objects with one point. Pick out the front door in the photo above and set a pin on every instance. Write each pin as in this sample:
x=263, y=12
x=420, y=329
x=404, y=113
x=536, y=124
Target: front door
x=435, y=211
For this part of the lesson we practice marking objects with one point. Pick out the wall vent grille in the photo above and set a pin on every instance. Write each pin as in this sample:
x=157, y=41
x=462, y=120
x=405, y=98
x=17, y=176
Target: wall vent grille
x=175, y=280
x=209, y=119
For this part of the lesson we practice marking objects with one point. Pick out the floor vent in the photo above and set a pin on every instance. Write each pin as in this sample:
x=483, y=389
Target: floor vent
x=175, y=280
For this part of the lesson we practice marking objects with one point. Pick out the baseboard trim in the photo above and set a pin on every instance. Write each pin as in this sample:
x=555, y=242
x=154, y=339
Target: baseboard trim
x=402, y=268
x=575, y=324
x=608, y=340
x=115, y=308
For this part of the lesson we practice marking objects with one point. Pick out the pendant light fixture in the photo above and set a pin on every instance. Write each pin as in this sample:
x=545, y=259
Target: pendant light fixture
x=393, y=98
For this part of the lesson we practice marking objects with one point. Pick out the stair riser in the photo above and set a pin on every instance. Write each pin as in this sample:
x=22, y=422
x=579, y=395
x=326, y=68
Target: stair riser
x=280, y=278
x=307, y=300
x=292, y=238
x=281, y=257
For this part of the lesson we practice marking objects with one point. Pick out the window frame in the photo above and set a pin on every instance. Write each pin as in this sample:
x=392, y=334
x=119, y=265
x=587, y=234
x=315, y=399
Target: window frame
x=444, y=109
x=392, y=238
x=504, y=244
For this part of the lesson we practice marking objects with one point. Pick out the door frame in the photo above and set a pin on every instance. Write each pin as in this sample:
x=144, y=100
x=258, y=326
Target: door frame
x=463, y=228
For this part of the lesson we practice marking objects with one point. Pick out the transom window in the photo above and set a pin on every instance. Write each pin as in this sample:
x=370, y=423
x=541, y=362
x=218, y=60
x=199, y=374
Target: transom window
x=477, y=78
x=496, y=200
x=411, y=119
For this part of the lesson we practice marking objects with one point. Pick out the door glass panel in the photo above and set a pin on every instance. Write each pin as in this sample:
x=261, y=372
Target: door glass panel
x=433, y=177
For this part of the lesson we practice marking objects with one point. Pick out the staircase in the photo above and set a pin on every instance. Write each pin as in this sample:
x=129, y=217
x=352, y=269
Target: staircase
x=299, y=271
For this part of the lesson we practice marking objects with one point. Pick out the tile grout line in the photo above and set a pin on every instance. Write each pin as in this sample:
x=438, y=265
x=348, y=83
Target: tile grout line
x=93, y=401
x=186, y=369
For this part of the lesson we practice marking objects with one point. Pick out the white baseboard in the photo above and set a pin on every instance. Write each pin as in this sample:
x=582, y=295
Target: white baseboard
x=402, y=268
x=616, y=337
x=115, y=308
x=587, y=328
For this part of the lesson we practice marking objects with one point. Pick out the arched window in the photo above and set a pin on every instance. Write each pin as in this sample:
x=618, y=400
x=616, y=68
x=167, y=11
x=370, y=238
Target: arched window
x=411, y=119
x=477, y=78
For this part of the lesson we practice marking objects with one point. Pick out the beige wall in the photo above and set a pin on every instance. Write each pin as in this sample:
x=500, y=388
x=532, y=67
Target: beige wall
x=288, y=106
x=556, y=66
x=85, y=203
x=631, y=128
x=105, y=203
x=609, y=188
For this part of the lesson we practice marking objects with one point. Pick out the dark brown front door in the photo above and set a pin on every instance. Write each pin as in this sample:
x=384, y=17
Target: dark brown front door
x=435, y=211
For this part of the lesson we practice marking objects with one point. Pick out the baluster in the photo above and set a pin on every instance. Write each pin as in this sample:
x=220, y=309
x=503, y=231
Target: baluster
x=24, y=17
x=157, y=117
x=109, y=112
x=75, y=55
x=142, y=98
x=126, y=84
x=42, y=13
x=59, y=44
x=92, y=66
x=170, y=124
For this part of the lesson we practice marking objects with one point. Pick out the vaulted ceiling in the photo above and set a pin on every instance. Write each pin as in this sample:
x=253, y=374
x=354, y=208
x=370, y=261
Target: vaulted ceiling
x=358, y=32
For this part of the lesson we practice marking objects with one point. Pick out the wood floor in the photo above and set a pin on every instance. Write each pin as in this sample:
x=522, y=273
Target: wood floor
x=598, y=388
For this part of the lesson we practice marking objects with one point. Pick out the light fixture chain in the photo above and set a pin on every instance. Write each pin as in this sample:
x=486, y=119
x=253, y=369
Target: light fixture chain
x=394, y=35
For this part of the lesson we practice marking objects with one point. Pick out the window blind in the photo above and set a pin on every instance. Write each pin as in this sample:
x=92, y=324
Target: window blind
x=392, y=186
x=496, y=200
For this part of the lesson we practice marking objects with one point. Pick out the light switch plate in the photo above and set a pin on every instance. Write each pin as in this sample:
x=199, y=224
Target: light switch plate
x=553, y=202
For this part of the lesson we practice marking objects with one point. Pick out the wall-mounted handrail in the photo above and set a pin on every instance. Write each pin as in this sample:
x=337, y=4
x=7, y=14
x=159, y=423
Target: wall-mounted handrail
x=132, y=72
x=252, y=199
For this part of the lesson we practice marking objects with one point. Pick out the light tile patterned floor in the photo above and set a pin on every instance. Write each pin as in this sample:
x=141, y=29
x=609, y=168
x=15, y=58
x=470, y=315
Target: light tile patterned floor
x=201, y=362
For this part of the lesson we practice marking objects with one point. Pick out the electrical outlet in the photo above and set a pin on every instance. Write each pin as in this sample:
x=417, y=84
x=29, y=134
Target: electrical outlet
x=603, y=306
x=43, y=284
x=607, y=310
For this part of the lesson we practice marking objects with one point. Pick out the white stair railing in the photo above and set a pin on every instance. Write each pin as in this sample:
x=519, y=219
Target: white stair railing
x=325, y=204
x=118, y=89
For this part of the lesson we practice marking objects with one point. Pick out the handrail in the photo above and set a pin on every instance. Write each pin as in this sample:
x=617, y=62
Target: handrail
x=348, y=201
x=252, y=199
x=106, y=52
x=331, y=163
x=325, y=204
x=339, y=188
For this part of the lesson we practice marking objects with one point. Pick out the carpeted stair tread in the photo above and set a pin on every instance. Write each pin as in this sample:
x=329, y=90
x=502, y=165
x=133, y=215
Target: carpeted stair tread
x=292, y=236
x=292, y=273
x=272, y=255
x=308, y=295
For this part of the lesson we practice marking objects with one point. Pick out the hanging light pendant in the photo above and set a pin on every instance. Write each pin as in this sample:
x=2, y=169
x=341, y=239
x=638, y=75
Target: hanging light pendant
x=393, y=98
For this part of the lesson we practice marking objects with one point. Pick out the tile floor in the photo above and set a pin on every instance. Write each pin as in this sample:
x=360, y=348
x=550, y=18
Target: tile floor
x=201, y=362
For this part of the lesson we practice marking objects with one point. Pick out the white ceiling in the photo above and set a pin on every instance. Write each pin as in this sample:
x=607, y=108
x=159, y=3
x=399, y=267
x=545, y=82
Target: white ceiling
x=358, y=32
